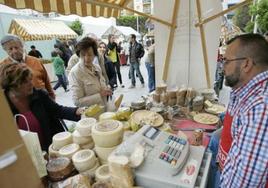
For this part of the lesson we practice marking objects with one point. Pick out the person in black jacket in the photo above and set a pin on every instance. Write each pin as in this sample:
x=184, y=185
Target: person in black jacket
x=113, y=50
x=136, y=52
x=41, y=112
x=34, y=52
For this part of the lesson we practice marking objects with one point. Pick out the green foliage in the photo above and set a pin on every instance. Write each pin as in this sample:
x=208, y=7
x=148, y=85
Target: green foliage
x=242, y=17
x=76, y=26
x=249, y=27
x=259, y=9
x=131, y=21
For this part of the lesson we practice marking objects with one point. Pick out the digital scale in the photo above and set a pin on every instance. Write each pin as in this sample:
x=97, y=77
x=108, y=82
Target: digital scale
x=170, y=161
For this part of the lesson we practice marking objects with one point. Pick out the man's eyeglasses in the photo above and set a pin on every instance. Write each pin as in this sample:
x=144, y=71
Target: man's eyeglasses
x=226, y=61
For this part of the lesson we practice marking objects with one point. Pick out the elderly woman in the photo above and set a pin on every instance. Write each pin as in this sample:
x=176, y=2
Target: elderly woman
x=87, y=84
x=40, y=111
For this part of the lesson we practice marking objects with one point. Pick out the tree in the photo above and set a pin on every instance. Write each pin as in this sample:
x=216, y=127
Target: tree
x=242, y=17
x=131, y=21
x=260, y=10
x=76, y=26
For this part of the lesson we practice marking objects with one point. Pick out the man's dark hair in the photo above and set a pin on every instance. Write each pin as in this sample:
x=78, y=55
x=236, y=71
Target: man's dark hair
x=32, y=47
x=110, y=36
x=133, y=36
x=252, y=46
x=85, y=44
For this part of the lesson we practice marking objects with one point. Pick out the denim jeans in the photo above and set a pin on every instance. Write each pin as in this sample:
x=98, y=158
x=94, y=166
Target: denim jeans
x=60, y=82
x=151, y=76
x=135, y=67
x=214, y=173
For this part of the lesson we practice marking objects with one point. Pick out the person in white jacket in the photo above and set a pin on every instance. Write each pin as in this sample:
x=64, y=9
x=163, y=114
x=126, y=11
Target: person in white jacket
x=87, y=83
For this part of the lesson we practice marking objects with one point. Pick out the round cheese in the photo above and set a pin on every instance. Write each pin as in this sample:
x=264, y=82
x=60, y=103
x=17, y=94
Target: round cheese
x=61, y=139
x=103, y=153
x=52, y=152
x=69, y=150
x=102, y=173
x=84, y=160
x=91, y=172
x=107, y=133
x=102, y=185
x=107, y=115
x=84, y=126
x=79, y=139
x=59, y=168
x=89, y=145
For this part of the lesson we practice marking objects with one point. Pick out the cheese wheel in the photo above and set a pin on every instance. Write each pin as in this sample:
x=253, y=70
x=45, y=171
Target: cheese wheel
x=107, y=115
x=59, y=168
x=102, y=173
x=52, y=152
x=89, y=145
x=61, y=139
x=108, y=133
x=84, y=126
x=79, y=139
x=91, y=172
x=103, y=153
x=69, y=150
x=84, y=160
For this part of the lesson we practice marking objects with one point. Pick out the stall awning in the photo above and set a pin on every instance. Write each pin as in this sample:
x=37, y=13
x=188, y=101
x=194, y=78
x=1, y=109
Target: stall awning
x=96, y=8
x=36, y=29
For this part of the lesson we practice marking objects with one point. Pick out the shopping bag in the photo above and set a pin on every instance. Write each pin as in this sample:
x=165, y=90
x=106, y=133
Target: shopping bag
x=32, y=143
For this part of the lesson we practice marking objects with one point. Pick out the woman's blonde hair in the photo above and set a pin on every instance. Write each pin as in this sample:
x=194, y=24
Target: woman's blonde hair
x=13, y=75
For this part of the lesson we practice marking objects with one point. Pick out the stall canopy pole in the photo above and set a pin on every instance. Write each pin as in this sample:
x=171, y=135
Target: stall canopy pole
x=170, y=40
x=203, y=41
x=222, y=13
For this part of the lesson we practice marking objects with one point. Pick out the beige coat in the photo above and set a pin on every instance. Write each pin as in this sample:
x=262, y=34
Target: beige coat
x=86, y=85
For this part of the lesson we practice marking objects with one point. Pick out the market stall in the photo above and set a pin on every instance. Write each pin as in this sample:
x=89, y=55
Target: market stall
x=155, y=120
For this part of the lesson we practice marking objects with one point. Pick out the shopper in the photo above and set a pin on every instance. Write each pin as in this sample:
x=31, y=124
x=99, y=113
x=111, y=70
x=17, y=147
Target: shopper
x=34, y=52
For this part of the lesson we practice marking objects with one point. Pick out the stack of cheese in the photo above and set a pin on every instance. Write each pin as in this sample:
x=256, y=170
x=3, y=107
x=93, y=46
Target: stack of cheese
x=107, y=135
x=85, y=162
x=82, y=134
x=102, y=174
x=120, y=172
x=59, y=140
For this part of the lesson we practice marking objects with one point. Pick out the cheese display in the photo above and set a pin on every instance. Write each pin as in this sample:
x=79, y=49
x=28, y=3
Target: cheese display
x=103, y=153
x=84, y=126
x=145, y=117
x=84, y=160
x=103, y=174
x=138, y=105
x=52, y=152
x=118, y=101
x=69, y=150
x=79, y=139
x=181, y=94
x=161, y=88
x=108, y=133
x=61, y=139
x=107, y=116
x=59, y=168
x=206, y=118
x=120, y=171
x=208, y=93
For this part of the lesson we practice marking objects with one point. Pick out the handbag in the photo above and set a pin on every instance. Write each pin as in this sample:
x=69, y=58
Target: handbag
x=32, y=143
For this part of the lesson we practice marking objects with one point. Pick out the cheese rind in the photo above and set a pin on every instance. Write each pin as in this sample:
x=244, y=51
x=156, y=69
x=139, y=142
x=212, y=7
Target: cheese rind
x=84, y=160
x=69, y=150
x=61, y=139
x=102, y=173
x=84, y=126
x=79, y=139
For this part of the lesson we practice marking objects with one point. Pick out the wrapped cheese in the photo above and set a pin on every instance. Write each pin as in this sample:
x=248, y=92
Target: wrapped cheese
x=77, y=181
x=181, y=94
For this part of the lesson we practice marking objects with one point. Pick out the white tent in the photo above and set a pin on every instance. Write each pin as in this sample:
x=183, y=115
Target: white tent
x=121, y=32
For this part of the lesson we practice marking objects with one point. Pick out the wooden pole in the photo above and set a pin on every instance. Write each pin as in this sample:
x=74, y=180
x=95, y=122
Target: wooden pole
x=201, y=22
x=170, y=40
x=116, y=6
x=203, y=41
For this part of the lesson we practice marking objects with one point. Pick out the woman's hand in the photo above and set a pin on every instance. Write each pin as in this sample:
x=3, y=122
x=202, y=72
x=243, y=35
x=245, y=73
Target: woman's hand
x=106, y=92
x=80, y=111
